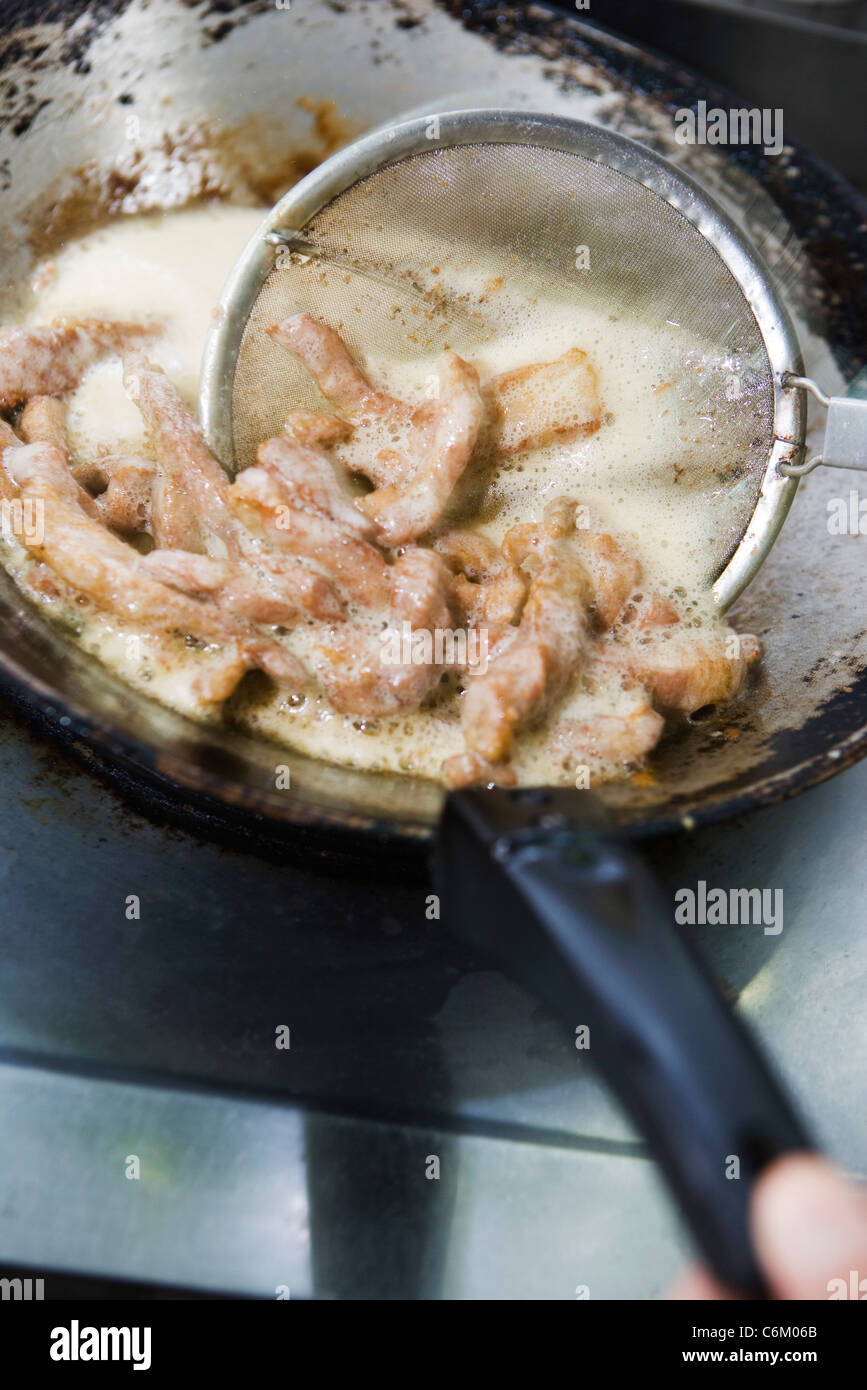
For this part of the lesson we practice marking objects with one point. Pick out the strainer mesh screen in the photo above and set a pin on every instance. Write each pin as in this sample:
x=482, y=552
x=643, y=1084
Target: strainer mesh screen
x=434, y=232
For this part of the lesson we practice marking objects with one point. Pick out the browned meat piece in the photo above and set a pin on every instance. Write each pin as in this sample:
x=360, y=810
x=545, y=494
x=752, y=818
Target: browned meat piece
x=284, y=593
x=545, y=403
x=651, y=611
x=685, y=669
x=535, y=669
x=92, y=561
x=315, y=430
x=469, y=770
x=354, y=668
x=125, y=502
x=327, y=358
x=8, y=437
x=624, y=736
x=451, y=428
x=8, y=440
x=46, y=361
x=311, y=481
x=488, y=588
x=43, y=421
x=190, y=505
x=613, y=572
x=355, y=567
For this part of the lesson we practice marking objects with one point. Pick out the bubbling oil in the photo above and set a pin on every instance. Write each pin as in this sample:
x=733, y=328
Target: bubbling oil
x=671, y=471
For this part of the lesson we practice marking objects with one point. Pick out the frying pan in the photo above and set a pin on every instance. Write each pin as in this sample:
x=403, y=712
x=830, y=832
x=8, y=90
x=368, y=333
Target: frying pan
x=546, y=880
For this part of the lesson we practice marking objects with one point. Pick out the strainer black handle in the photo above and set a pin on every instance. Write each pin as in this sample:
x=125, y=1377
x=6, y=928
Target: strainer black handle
x=536, y=881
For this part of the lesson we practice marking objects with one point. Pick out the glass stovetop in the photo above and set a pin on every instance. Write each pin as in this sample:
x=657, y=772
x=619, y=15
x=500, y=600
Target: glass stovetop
x=306, y=1166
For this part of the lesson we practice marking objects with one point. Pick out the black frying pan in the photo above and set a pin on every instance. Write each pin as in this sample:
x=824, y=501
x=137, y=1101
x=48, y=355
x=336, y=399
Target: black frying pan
x=547, y=882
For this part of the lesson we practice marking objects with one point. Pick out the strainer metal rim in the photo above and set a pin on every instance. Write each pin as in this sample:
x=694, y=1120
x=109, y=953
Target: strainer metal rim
x=390, y=144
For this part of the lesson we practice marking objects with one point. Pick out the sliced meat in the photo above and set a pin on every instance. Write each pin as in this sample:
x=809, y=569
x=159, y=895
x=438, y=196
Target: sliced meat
x=622, y=737
x=86, y=556
x=125, y=504
x=489, y=590
x=354, y=566
x=190, y=507
x=685, y=669
x=401, y=513
x=614, y=574
x=327, y=358
x=356, y=670
x=283, y=594
x=315, y=430
x=544, y=403
x=46, y=361
x=552, y=638
x=311, y=480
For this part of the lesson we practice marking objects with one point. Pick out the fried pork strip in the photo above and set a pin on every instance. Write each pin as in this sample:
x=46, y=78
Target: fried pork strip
x=328, y=359
x=355, y=669
x=451, y=428
x=357, y=569
x=624, y=736
x=47, y=361
x=551, y=640
x=311, y=479
x=490, y=591
x=683, y=669
x=189, y=507
x=545, y=403
x=86, y=556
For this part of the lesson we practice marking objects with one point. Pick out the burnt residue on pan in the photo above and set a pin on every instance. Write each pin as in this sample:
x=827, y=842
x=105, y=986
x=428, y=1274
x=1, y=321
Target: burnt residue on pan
x=202, y=161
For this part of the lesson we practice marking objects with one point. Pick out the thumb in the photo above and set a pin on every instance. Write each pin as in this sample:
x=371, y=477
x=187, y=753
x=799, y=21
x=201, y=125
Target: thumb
x=809, y=1224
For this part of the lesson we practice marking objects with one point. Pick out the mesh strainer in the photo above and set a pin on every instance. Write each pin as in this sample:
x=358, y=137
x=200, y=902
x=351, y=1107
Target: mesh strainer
x=394, y=240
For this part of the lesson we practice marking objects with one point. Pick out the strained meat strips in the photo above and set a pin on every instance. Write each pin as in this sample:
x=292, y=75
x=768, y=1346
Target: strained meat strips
x=356, y=668
x=403, y=512
x=190, y=505
x=47, y=361
x=552, y=637
x=489, y=590
x=280, y=591
x=328, y=359
x=685, y=669
x=311, y=479
x=102, y=567
x=544, y=403
x=354, y=566
x=287, y=567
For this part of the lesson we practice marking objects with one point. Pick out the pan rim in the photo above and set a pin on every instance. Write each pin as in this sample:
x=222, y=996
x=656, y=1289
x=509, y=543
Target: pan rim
x=66, y=721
